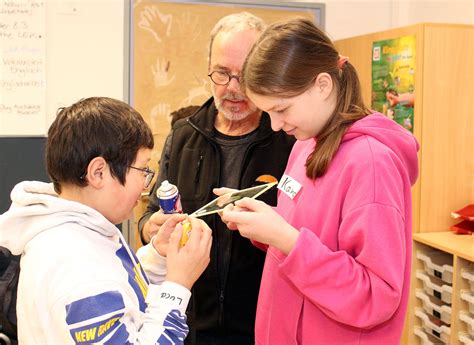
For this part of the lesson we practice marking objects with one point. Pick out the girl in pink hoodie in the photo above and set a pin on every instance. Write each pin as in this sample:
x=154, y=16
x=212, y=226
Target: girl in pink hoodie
x=337, y=269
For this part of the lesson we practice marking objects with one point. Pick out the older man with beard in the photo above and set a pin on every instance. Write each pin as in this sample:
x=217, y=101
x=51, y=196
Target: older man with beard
x=228, y=142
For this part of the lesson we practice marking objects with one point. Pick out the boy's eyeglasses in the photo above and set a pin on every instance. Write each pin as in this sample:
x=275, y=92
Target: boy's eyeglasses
x=149, y=174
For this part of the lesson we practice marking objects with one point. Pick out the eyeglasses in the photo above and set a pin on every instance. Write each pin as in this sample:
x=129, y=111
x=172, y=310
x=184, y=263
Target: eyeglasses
x=149, y=174
x=222, y=78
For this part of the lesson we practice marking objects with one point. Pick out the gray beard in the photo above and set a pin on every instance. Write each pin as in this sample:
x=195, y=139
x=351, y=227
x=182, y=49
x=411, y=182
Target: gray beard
x=234, y=116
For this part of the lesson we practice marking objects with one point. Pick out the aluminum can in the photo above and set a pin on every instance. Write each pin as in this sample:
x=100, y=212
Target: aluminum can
x=168, y=196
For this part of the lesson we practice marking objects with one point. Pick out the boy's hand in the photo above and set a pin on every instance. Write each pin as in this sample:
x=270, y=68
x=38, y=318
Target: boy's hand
x=187, y=263
x=156, y=220
x=162, y=237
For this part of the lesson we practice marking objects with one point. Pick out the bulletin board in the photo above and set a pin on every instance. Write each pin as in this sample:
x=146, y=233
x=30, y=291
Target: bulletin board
x=170, y=48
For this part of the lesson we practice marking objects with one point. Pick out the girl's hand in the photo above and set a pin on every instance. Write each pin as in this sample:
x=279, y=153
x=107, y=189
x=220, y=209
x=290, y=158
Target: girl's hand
x=223, y=190
x=259, y=222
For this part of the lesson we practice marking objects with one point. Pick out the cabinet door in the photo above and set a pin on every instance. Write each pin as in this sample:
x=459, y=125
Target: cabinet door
x=447, y=146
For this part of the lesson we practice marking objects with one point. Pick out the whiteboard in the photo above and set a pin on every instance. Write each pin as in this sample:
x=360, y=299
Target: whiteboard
x=72, y=49
x=22, y=67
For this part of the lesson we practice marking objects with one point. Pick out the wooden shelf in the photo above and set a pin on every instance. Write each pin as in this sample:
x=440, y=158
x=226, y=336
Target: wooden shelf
x=460, y=254
x=459, y=245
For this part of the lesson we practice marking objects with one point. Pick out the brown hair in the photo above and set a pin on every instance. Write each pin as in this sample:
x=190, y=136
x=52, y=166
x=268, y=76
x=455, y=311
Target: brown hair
x=94, y=127
x=285, y=61
x=183, y=113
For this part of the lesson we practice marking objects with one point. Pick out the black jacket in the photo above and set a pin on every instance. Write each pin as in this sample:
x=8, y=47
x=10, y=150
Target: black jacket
x=191, y=161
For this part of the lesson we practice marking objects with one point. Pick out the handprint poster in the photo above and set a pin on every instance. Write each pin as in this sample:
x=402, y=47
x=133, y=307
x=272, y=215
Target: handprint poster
x=166, y=73
x=393, y=79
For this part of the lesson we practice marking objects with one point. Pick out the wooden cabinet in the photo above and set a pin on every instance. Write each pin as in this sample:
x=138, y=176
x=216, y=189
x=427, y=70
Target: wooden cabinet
x=443, y=115
x=444, y=127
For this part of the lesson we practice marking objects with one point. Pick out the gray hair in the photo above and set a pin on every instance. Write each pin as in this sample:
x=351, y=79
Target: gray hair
x=236, y=22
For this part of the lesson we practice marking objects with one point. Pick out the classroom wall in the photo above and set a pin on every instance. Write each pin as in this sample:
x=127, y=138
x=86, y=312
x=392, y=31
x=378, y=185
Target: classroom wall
x=349, y=18
x=86, y=40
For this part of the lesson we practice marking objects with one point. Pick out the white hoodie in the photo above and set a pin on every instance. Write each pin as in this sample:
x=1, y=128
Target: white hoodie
x=80, y=282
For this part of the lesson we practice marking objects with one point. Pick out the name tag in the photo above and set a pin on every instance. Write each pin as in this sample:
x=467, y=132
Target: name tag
x=289, y=186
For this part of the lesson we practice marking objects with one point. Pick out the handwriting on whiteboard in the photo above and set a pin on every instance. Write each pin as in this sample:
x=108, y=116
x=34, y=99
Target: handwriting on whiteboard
x=22, y=67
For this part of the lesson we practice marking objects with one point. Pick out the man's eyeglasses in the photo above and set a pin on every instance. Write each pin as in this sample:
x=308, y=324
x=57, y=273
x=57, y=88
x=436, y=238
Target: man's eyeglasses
x=222, y=78
x=149, y=174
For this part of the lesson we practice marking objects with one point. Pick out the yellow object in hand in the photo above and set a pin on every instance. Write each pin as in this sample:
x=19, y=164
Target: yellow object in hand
x=186, y=232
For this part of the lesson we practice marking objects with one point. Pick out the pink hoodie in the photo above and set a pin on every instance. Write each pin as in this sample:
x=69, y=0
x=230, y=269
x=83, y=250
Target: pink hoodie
x=347, y=279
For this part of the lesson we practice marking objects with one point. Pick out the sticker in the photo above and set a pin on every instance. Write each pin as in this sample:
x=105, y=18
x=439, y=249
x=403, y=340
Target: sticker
x=289, y=186
x=376, y=54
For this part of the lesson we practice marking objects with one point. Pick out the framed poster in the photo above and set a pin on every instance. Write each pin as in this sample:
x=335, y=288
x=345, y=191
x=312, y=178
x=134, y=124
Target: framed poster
x=393, y=79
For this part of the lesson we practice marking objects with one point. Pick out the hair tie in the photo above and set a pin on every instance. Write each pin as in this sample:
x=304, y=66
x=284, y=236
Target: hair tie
x=342, y=61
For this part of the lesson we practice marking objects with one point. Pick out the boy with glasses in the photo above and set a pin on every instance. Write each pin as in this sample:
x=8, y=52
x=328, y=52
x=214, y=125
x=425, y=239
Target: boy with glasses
x=79, y=280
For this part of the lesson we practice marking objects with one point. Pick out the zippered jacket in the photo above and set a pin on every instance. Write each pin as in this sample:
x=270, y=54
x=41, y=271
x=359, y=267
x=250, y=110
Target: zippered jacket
x=192, y=161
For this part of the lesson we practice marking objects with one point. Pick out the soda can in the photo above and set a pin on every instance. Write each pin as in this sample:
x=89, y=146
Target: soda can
x=168, y=197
